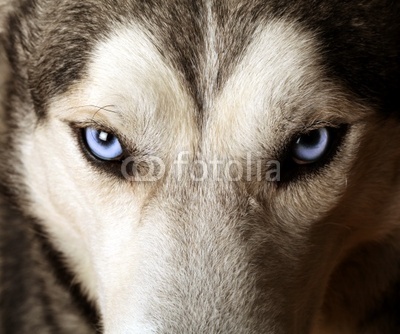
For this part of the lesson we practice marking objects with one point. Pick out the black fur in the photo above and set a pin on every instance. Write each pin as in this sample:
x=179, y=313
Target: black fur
x=37, y=293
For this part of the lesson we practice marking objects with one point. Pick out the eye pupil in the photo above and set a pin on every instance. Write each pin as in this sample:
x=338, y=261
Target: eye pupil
x=311, y=146
x=102, y=145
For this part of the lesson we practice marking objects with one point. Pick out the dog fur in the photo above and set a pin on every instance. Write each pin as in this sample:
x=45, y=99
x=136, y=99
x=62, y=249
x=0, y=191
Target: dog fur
x=315, y=250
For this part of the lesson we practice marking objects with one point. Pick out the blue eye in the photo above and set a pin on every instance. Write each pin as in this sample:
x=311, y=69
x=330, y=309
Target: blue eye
x=102, y=145
x=311, y=147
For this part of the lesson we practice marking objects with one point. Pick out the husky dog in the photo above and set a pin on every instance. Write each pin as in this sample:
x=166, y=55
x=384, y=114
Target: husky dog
x=210, y=166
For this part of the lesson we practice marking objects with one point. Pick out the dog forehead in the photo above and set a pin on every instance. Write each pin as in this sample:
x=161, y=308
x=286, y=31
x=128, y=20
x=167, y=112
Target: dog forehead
x=129, y=66
x=185, y=31
x=278, y=80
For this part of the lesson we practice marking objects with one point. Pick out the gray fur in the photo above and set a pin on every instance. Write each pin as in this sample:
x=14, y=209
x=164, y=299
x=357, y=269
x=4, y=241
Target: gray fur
x=239, y=266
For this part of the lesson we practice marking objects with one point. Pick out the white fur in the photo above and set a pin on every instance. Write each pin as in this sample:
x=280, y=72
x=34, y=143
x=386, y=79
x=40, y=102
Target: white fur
x=101, y=228
x=211, y=61
x=279, y=81
x=98, y=229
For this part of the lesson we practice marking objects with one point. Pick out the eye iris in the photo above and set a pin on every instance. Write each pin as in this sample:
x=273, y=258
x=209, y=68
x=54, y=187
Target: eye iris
x=311, y=147
x=102, y=145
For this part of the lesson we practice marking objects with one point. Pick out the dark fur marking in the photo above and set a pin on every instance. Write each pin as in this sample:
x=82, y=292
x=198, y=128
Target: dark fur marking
x=27, y=261
x=362, y=51
x=385, y=318
x=66, y=279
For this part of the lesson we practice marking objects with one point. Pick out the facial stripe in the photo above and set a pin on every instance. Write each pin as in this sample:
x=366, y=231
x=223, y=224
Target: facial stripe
x=211, y=62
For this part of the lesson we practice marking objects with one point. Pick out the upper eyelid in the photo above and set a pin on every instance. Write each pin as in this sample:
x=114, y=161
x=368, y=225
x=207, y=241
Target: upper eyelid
x=299, y=131
x=295, y=133
x=92, y=123
x=79, y=125
x=288, y=141
x=318, y=125
x=103, y=126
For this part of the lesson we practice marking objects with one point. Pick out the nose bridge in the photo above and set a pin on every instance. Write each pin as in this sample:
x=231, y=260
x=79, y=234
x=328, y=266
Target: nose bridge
x=209, y=207
x=214, y=280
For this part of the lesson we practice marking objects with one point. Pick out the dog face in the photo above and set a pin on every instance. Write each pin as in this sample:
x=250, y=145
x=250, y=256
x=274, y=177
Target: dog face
x=205, y=167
